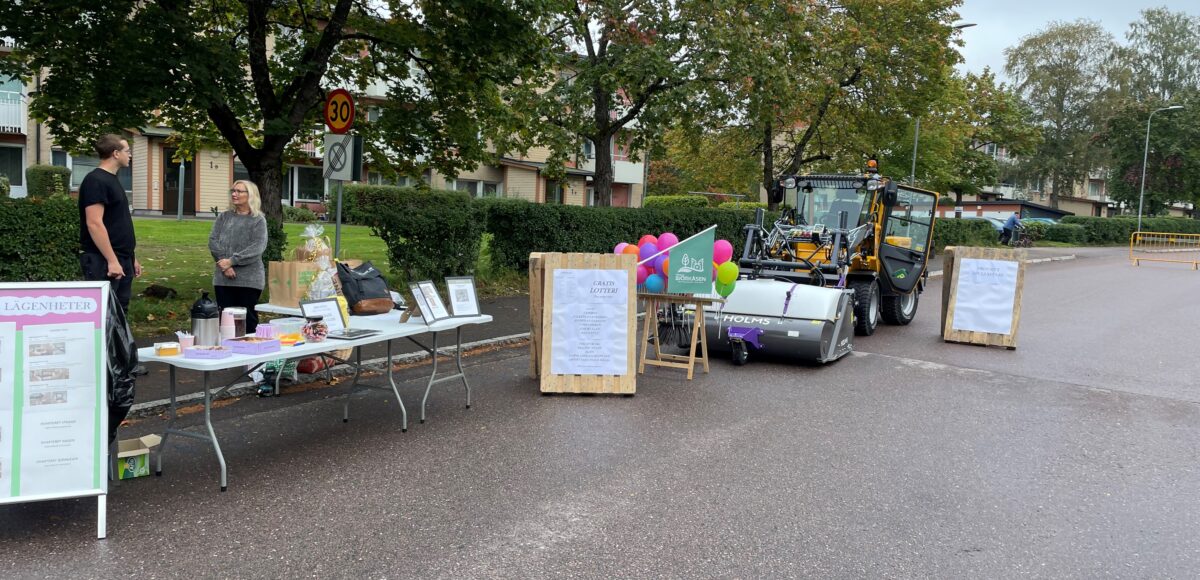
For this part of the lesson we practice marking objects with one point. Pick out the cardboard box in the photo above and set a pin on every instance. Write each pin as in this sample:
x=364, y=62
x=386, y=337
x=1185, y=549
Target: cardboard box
x=133, y=456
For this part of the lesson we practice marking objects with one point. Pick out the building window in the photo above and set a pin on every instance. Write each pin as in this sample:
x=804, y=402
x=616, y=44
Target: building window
x=554, y=191
x=58, y=158
x=491, y=190
x=310, y=184
x=1095, y=189
x=471, y=187
x=589, y=150
x=12, y=165
x=239, y=171
x=377, y=178
x=84, y=164
x=620, y=148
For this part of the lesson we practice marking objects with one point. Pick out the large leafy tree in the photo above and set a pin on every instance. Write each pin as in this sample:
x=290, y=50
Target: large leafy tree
x=973, y=117
x=620, y=69
x=1161, y=67
x=253, y=73
x=1063, y=74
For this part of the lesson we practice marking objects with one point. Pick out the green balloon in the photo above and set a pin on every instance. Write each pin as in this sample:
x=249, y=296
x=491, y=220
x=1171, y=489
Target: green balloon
x=724, y=290
x=727, y=273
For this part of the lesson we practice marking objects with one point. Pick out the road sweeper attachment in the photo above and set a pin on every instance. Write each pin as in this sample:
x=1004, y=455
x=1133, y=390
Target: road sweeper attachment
x=849, y=252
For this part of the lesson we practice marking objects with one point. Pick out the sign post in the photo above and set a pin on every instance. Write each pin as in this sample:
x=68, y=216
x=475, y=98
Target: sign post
x=53, y=393
x=339, y=151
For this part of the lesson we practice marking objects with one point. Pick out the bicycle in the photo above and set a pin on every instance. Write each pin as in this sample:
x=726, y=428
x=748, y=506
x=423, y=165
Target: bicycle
x=1019, y=238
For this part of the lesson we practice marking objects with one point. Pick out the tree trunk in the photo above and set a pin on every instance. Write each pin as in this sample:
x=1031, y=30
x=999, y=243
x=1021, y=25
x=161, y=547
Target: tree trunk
x=603, y=180
x=266, y=172
x=774, y=194
x=958, y=204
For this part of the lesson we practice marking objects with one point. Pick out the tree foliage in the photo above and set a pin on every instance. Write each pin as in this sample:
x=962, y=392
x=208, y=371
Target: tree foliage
x=252, y=74
x=1063, y=74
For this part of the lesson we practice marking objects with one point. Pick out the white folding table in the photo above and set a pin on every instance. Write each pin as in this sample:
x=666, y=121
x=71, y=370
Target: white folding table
x=389, y=327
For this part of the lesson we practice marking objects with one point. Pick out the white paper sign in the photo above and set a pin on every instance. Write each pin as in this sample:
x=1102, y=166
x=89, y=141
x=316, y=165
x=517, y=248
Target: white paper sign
x=591, y=322
x=986, y=295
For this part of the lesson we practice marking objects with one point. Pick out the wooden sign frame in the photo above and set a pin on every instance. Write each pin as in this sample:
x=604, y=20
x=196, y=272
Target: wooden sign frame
x=950, y=275
x=547, y=263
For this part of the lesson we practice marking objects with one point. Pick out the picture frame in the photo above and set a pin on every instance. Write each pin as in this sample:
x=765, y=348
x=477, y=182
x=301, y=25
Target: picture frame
x=464, y=302
x=328, y=309
x=412, y=309
x=433, y=308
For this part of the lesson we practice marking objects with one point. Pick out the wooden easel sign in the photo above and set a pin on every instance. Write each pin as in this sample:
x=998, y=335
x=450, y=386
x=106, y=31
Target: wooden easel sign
x=589, y=314
x=981, y=296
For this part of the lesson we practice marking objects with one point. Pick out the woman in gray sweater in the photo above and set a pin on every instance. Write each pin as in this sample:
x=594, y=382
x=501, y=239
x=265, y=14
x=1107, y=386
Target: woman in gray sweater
x=237, y=242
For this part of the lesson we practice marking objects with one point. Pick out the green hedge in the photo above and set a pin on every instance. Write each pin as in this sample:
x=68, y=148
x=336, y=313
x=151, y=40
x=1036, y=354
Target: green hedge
x=5, y=188
x=1037, y=230
x=429, y=234
x=300, y=215
x=1116, y=230
x=960, y=232
x=1067, y=233
x=660, y=201
x=39, y=239
x=742, y=205
x=521, y=227
x=46, y=180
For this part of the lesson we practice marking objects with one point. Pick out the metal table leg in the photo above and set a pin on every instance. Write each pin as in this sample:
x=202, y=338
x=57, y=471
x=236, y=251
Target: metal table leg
x=433, y=378
x=391, y=383
x=212, y=434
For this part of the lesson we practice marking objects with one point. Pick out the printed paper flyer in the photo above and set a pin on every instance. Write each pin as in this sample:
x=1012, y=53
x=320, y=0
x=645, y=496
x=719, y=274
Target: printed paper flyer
x=986, y=294
x=51, y=391
x=591, y=322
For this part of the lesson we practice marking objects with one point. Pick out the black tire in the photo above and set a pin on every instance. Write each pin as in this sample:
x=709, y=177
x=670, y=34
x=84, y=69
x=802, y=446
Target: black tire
x=900, y=309
x=866, y=306
x=740, y=353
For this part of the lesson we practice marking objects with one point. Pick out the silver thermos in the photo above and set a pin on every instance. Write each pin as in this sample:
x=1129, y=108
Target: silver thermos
x=206, y=321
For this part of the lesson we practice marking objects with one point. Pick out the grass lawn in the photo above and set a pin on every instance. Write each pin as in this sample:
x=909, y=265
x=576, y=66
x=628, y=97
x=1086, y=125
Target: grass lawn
x=175, y=254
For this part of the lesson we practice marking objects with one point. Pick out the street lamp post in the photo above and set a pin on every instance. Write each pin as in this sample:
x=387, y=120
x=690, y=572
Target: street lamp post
x=1145, y=158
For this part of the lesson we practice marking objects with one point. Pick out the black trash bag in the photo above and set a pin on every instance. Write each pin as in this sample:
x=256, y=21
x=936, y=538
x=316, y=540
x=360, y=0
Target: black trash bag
x=122, y=360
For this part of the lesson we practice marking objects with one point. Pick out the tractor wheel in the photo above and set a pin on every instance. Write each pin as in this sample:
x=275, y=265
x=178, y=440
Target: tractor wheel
x=740, y=353
x=866, y=306
x=900, y=309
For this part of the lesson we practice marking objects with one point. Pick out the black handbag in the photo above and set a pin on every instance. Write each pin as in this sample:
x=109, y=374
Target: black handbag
x=364, y=288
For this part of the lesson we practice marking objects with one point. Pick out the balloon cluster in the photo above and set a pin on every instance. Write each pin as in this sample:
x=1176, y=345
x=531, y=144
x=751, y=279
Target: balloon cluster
x=652, y=276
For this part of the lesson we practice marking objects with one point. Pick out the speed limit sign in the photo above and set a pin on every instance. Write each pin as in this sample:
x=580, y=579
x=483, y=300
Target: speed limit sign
x=339, y=111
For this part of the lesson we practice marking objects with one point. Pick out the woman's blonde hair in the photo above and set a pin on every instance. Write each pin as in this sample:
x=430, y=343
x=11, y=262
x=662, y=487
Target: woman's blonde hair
x=253, y=199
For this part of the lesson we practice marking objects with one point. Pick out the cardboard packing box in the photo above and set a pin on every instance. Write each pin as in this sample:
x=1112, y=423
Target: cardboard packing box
x=133, y=456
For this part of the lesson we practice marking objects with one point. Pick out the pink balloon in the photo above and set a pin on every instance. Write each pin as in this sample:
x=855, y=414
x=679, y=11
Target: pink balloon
x=648, y=239
x=667, y=240
x=620, y=246
x=646, y=250
x=642, y=273
x=722, y=251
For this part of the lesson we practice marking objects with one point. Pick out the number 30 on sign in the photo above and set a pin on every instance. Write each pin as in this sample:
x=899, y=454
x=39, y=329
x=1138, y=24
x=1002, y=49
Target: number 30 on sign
x=339, y=111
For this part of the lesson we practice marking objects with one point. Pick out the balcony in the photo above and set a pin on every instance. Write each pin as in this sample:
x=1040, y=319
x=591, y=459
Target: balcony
x=12, y=116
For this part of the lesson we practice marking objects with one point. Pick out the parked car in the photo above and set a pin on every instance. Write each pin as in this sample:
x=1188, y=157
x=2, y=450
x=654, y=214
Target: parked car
x=996, y=223
x=1047, y=221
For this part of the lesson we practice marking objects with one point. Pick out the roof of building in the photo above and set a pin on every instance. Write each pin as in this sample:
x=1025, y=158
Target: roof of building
x=538, y=166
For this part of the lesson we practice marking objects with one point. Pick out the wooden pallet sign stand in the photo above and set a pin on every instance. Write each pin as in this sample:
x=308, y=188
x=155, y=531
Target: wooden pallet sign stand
x=982, y=290
x=697, y=342
x=586, y=319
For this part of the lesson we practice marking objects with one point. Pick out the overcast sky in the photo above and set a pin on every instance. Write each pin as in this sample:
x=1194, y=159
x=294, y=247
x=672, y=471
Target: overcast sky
x=1001, y=23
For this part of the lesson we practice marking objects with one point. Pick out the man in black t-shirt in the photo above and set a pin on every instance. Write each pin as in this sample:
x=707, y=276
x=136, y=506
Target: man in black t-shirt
x=105, y=226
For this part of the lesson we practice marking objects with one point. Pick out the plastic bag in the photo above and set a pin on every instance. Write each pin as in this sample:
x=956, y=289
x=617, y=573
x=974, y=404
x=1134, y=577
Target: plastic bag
x=122, y=360
x=316, y=245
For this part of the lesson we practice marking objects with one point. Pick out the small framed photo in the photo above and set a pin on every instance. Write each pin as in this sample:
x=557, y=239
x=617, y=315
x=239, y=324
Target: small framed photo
x=328, y=309
x=463, y=301
x=432, y=307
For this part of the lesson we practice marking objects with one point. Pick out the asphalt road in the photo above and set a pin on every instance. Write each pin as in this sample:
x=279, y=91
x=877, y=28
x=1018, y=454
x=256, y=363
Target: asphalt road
x=1073, y=456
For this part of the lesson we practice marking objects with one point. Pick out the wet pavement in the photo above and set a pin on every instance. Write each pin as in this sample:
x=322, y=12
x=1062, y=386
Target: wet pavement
x=1073, y=456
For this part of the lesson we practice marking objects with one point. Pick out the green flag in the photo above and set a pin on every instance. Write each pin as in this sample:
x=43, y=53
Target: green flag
x=691, y=263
